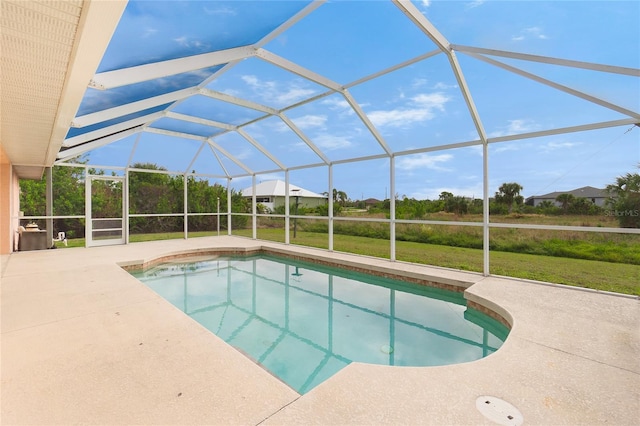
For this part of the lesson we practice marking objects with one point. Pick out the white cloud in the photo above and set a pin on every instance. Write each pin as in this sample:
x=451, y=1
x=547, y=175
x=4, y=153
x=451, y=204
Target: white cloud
x=419, y=82
x=185, y=42
x=168, y=82
x=292, y=95
x=521, y=126
x=530, y=33
x=339, y=105
x=220, y=11
x=336, y=103
x=148, y=32
x=244, y=154
x=427, y=193
x=432, y=100
x=181, y=41
x=271, y=91
x=505, y=147
x=474, y=4
x=421, y=108
x=269, y=176
x=310, y=121
x=329, y=142
x=399, y=117
x=477, y=149
x=443, y=86
x=553, y=146
x=472, y=191
x=424, y=5
x=232, y=92
x=423, y=161
x=303, y=123
x=279, y=126
x=251, y=80
x=515, y=127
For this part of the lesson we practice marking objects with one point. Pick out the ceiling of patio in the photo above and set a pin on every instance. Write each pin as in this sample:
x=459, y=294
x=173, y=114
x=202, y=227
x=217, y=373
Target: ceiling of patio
x=50, y=50
x=241, y=88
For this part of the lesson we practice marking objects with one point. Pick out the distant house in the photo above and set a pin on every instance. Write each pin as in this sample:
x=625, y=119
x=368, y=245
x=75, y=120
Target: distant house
x=369, y=202
x=596, y=195
x=271, y=194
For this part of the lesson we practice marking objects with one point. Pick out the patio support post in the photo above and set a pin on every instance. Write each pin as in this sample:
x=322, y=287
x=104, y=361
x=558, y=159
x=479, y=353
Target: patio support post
x=185, y=206
x=392, y=208
x=49, y=206
x=88, y=226
x=330, y=209
x=286, y=208
x=254, y=218
x=485, y=208
x=228, y=206
x=295, y=219
x=432, y=32
x=125, y=192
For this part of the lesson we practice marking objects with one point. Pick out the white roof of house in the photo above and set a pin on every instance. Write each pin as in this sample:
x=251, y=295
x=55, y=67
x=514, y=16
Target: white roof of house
x=276, y=188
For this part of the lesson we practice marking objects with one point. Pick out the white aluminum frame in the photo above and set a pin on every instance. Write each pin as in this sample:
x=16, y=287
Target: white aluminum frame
x=228, y=58
x=89, y=240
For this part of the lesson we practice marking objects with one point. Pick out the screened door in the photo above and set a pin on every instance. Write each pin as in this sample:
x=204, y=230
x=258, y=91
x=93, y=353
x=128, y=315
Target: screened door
x=105, y=211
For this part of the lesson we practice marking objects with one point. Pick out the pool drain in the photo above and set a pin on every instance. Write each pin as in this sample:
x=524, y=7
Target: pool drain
x=499, y=411
x=386, y=349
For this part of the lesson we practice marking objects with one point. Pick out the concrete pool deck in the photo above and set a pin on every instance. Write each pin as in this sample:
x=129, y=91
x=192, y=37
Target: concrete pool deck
x=83, y=342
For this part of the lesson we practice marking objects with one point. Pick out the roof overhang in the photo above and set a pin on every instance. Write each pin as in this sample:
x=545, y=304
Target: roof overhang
x=50, y=52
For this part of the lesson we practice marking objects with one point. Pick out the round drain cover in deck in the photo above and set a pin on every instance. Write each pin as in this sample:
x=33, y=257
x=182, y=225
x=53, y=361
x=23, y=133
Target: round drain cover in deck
x=499, y=411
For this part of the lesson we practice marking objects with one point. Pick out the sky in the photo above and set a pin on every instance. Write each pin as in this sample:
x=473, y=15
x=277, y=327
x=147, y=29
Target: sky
x=412, y=108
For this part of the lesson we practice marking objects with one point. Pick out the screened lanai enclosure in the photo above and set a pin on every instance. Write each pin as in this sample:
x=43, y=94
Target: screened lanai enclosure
x=450, y=130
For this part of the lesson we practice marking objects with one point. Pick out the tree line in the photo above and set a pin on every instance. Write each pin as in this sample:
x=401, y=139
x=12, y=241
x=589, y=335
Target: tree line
x=623, y=203
x=149, y=193
x=162, y=193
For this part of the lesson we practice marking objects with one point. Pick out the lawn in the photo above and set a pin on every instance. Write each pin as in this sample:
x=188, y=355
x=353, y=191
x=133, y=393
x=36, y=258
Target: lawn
x=594, y=274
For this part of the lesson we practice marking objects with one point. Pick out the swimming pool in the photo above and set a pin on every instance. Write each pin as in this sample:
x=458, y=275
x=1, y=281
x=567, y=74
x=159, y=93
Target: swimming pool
x=304, y=322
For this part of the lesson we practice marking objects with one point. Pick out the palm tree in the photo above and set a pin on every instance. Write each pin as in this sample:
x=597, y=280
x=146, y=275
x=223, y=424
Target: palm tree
x=444, y=195
x=565, y=200
x=508, y=194
x=339, y=196
x=624, y=184
x=547, y=207
x=625, y=199
x=342, y=197
x=457, y=204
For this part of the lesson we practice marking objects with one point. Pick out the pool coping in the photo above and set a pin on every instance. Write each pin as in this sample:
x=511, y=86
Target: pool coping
x=74, y=339
x=434, y=281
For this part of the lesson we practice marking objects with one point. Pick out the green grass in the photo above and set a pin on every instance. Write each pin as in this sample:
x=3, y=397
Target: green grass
x=139, y=238
x=598, y=275
x=609, y=247
x=594, y=274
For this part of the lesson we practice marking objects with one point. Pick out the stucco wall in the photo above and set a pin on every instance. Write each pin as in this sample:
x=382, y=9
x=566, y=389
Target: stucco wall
x=601, y=202
x=9, y=204
x=303, y=202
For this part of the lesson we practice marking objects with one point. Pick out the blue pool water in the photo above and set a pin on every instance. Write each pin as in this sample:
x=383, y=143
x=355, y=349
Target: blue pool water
x=305, y=322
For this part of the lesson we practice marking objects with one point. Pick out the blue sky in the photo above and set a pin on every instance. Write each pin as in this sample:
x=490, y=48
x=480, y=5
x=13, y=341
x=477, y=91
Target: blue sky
x=415, y=107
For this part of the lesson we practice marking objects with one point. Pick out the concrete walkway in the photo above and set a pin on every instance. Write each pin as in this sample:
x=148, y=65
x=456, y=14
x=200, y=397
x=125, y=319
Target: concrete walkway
x=83, y=342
